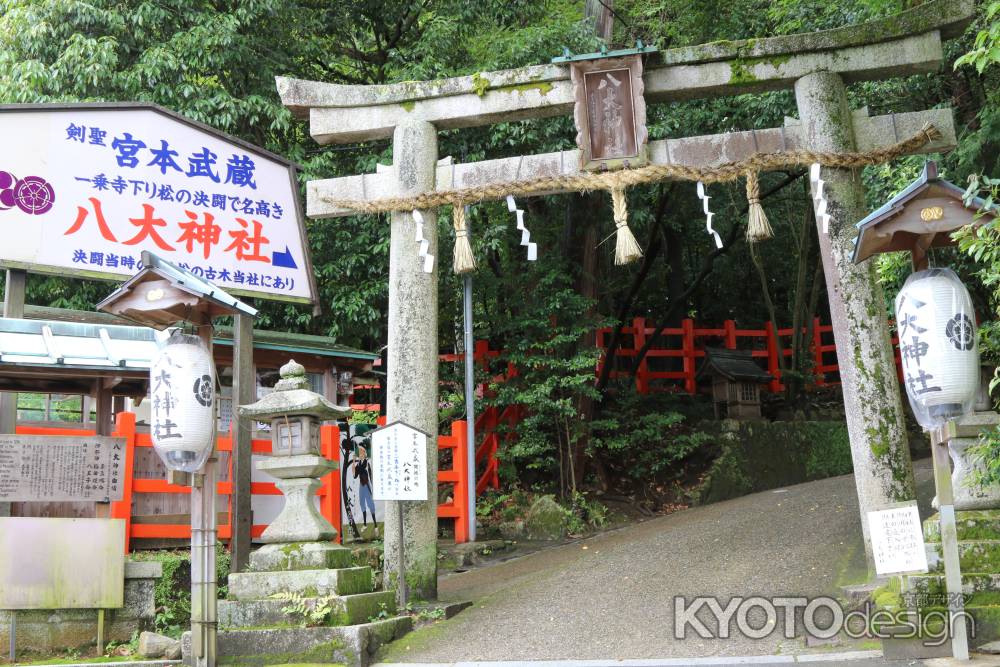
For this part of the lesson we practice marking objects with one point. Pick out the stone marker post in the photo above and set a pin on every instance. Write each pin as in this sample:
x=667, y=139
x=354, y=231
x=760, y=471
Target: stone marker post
x=879, y=447
x=412, y=369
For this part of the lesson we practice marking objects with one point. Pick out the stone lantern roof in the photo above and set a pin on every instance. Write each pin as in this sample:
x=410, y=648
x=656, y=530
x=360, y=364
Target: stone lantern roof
x=291, y=397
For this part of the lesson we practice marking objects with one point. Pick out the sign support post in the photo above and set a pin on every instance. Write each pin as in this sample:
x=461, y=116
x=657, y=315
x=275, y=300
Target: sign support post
x=399, y=465
x=401, y=566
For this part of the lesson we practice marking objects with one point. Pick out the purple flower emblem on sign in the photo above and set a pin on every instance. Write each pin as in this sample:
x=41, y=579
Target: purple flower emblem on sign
x=34, y=195
x=7, y=183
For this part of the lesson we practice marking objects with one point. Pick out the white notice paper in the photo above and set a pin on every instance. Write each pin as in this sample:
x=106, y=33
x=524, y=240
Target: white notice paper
x=399, y=463
x=897, y=540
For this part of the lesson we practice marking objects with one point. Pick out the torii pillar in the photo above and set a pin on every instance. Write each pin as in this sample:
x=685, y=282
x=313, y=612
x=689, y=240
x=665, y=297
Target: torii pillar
x=879, y=447
x=412, y=368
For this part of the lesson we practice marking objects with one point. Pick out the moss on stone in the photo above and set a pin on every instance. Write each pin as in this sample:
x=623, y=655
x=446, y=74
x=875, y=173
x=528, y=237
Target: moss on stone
x=331, y=652
x=767, y=455
x=544, y=87
x=408, y=106
x=480, y=84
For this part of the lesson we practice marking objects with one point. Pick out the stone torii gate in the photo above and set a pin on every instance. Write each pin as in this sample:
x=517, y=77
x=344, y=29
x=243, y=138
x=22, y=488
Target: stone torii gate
x=817, y=66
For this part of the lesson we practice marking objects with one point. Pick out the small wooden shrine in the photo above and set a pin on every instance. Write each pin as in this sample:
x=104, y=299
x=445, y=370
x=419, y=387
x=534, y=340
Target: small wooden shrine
x=735, y=378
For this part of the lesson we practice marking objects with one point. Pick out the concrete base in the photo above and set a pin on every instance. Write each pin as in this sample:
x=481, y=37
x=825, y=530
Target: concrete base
x=347, y=610
x=309, y=583
x=300, y=556
x=353, y=645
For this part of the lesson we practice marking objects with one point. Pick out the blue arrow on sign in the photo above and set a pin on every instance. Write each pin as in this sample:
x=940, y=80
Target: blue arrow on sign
x=284, y=259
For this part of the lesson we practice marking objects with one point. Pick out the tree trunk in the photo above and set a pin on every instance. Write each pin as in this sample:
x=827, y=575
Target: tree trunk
x=600, y=12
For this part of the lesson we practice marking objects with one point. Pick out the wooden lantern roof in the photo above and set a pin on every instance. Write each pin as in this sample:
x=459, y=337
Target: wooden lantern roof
x=734, y=365
x=162, y=294
x=919, y=218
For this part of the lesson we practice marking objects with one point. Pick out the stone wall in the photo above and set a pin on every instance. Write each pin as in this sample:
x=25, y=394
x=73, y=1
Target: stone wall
x=54, y=631
x=757, y=456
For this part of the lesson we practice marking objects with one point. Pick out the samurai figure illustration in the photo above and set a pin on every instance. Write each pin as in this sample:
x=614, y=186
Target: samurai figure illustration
x=363, y=473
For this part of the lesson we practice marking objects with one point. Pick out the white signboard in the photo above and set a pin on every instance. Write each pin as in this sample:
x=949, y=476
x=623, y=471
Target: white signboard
x=84, y=190
x=61, y=563
x=897, y=540
x=399, y=462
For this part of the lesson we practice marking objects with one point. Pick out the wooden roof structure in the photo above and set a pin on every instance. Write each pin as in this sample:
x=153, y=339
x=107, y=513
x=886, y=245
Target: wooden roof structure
x=922, y=216
x=734, y=365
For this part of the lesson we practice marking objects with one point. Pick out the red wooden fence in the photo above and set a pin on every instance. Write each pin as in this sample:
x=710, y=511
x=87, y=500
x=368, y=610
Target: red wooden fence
x=687, y=342
x=329, y=491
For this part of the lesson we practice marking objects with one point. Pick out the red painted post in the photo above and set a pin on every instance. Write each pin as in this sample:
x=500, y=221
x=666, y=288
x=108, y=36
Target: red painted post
x=818, y=353
x=730, y=328
x=122, y=509
x=329, y=502
x=772, y=358
x=638, y=340
x=687, y=332
x=459, y=460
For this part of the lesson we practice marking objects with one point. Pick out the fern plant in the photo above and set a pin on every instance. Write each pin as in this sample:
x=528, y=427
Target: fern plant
x=308, y=612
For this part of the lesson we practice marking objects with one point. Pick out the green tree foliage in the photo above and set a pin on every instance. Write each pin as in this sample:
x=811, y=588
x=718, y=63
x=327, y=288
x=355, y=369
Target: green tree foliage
x=215, y=61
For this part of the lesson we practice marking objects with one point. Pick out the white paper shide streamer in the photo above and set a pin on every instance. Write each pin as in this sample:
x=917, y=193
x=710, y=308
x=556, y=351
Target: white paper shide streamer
x=182, y=400
x=937, y=343
x=425, y=245
x=818, y=187
x=525, y=234
x=703, y=194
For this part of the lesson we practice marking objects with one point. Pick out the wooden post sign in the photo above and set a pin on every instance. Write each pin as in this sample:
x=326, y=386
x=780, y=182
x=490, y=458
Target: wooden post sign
x=56, y=469
x=399, y=471
x=610, y=112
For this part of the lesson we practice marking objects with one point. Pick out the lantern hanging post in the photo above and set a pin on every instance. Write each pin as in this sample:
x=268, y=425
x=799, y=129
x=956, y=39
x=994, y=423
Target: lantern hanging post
x=940, y=355
x=182, y=391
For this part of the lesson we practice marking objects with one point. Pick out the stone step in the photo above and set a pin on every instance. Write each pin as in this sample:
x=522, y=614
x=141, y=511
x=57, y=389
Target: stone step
x=308, y=583
x=974, y=557
x=974, y=525
x=344, y=610
x=300, y=556
x=351, y=645
x=933, y=584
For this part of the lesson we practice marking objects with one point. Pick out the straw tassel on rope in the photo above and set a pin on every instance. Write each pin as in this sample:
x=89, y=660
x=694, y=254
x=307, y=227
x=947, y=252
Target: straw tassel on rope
x=758, y=228
x=626, y=248
x=464, y=261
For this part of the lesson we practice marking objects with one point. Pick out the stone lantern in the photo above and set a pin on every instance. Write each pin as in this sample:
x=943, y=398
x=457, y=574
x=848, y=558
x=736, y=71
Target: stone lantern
x=295, y=413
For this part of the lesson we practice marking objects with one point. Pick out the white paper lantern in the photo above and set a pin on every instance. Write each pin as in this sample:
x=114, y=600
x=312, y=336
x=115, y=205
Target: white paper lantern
x=937, y=343
x=182, y=397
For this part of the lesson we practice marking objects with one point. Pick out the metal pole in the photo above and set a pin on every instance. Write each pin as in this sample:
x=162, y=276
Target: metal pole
x=470, y=400
x=401, y=567
x=949, y=545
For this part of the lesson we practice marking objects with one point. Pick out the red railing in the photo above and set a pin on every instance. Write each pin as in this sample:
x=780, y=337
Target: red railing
x=329, y=492
x=125, y=427
x=687, y=343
